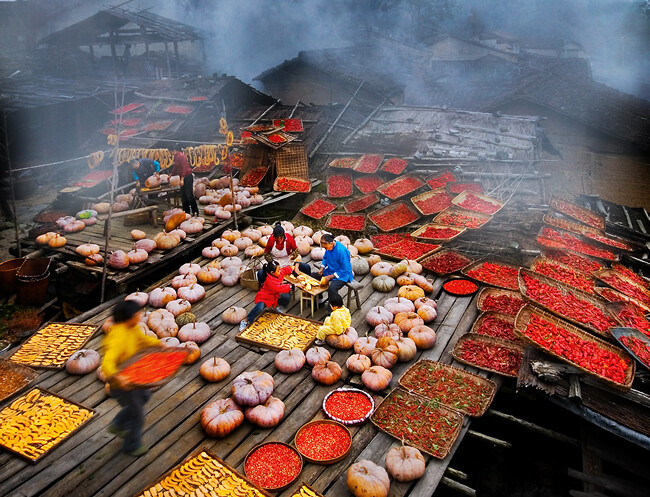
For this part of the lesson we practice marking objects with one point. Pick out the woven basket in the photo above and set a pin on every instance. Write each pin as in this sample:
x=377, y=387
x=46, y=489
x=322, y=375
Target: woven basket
x=523, y=318
x=459, y=210
x=392, y=207
x=463, y=196
x=621, y=276
x=480, y=262
x=600, y=291
x=598, y=220
x=488, y=291
x=427, y=195
x=442, y=253
x=398, y=180
x=489, y=341
x=418, y=233
x=248, y=278
x=291, y=162
x=576, y=272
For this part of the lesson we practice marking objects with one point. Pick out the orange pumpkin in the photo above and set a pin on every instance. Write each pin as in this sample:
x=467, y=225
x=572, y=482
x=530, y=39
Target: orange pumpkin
x=405, y=463
x=194, y=354
x=406, y=349
x=358, y=363
x=408, y=320
x=363, y=245
x=221, y=417
x=252, y=388
x=326, y=372
x=366, y=479
x=344, y=340
x=376, y=378
x=410, y=292
x=427, y=313
x=214, y=369
x=425, y=284
x=385, y=353
x=423, y=336
x=174, y=221
x=381, y=268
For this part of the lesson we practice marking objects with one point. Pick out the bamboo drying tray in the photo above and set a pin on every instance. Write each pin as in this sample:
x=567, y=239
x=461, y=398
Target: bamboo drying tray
x=591, y=299
x=323, y=462
x=427, y=195
x=566, y=267
x=398, y=180
x=486, y=314
x=433, y=408
x=598, y=221
x=371, y=199
x=548, y=253
x=621, y=276
x=620, y=268
x=291, y=163
x=488, y=341
x=348, y=178
x=193, y=472
x=402, y=164
x=331, y=206
x=461, y=197
x=51, y=346
x=49, y=409
x=346, y=215
x=553, y=244
x=343, y=162
x=418, y=233
x=377, y=182
x=278, y=331
x=411, y=371
x=619, y=333
x=479, y=263
x=427, y=260
x=432, y=249
x=390, y=208
x=523, y=318
x=601, y=291
x=376, y=157
x=568, y=225
x=265, y=138
x=22, y=376
x=488, y=291
x=454, y=210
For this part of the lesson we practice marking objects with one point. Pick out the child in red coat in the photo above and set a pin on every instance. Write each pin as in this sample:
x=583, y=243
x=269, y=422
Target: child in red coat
x=274, y=292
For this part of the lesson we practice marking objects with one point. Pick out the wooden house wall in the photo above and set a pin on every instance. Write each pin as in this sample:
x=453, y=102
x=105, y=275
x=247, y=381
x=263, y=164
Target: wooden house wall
x=591, y=162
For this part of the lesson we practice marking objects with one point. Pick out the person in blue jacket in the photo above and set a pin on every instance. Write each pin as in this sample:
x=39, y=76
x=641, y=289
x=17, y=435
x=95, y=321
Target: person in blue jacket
x=141, y=169
x=336, y=267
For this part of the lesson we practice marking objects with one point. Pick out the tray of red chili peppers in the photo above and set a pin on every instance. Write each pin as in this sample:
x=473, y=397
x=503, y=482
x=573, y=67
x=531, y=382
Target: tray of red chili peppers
x=494, y=273
x=580, y=262
x=445, y=262
x=637, y=344
x=393, y=217
x=368, y=163
x=613, y=296
x=339, y=185
x=407, y=249
x=254, y=176
x=567, y=225
x=400, y=186
x=347, y=222
x=453, y=387
x=318, y=209
x=631, y=275
x=571, y=344
x=394, y=166
x=432, y=202
x=361, y=203
x=368, y=184
x=609, y=241
x=460, y=287
x=441, y=180
x=493, y=324
x=630, y=316
x=566, y=302
x=438, y=232
x=343, y=162
x=420, y=422
x=506, y=302
x=577, y=212
x=456, y=216
x=379, y=241
x=563, y=273
x=624, y=285
x=288, y=184
x=273, y=465
x=477, y=202
x=556, y=238
x=152, y=367
x=489, y=353
x=348, y=406
x=323, y=441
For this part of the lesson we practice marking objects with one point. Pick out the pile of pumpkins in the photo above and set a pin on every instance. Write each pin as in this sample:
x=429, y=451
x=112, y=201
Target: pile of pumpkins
x=232, y=242
x=252, y=399
x=218, y=199
x=122, y=203
x=405, y=274
x=68, y=224
x=323, y=370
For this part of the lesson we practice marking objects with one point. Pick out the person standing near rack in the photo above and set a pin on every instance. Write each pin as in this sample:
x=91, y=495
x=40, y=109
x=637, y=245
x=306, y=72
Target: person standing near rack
x=142, y=168
x=181, y=167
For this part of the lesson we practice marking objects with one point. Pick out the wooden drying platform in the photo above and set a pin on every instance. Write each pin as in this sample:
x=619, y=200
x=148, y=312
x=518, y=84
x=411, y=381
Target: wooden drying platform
x=121, y=239
x=90, y=463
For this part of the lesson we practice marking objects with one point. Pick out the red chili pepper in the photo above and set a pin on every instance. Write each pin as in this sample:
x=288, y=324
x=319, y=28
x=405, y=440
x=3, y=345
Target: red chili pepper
x=440, y=233
x=254, y=177
x=496, y=274
x=461, y=187
x=581, y=263
x=318, y=209
x=639, y=347
x=396, y=218
x=442, y=180
x=368, y=184
x=631, y=275
x=504, y=304
x=434, y=203
x=401, y=187
x=572, y=242
x=579, y=213
x=348, y=406
x=350, y=223
x=445, y=263
x=462, y=220
x=339, y=185
x=394, y=166
x=495, y=327
x=408, y=249
x=380, y=241
x=323, y=441
x=485, y=355
x=460, y=286
x=626, y=287
x=474, y=203
x=272, y=466
x=293, y=185
x=634, y=318
x=368, y=163
x=569, y=276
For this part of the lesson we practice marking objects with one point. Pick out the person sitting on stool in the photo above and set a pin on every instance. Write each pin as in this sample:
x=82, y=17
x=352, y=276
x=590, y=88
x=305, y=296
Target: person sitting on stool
x=336, y=267
x=142, y=168
x=181, y=167
x=281, y=248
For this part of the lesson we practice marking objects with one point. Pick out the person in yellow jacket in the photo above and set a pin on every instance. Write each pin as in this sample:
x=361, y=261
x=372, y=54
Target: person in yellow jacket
x=123, y=340
x=338, y=321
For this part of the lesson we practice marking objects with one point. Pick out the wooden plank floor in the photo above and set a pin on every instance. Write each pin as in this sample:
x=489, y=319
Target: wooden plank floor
x=90, y=463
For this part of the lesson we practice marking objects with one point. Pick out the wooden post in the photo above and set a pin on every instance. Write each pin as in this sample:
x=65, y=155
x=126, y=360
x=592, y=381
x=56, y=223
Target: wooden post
x=176, y=58
x=11, y=182
x=169, y=67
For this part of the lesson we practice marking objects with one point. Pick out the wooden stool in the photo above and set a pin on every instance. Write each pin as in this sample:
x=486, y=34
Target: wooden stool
x=354, y=287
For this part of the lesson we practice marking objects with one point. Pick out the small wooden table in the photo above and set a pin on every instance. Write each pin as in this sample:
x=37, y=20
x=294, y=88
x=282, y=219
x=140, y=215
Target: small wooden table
x=310, y=295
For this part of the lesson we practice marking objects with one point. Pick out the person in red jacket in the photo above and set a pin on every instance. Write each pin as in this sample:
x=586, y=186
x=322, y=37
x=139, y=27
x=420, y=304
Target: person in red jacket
x=282, y=248
x=181, y=167
x=273, y=293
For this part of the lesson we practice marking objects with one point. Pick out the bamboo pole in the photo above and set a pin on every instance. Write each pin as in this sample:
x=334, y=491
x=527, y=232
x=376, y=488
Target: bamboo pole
x=11, y=183
x=265, y=112
x=107, y=225
x=294, y=109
